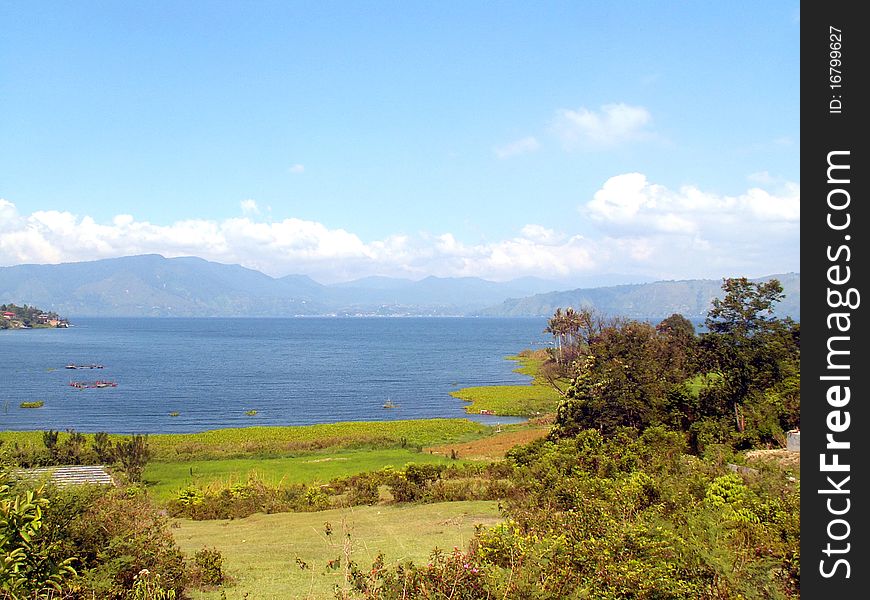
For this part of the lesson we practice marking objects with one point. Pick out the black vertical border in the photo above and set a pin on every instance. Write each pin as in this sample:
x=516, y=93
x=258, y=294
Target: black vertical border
x=826, y=128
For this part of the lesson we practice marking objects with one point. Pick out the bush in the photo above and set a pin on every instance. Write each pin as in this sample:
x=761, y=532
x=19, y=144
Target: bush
x=457, y=575
x=149, y=587
x=115, y=535
x=31, y=562
x=133, y=455
x=208, y=567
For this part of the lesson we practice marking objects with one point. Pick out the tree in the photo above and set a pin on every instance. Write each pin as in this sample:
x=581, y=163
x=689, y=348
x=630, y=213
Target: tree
x=755, y=353
x=746, y=309
x=679, y=345
x=133, y=455
x=572, y=331
x=102, y=447
x=556, y=327
x=623, y=380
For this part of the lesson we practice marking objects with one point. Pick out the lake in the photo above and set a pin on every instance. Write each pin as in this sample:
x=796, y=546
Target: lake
x=293, y=371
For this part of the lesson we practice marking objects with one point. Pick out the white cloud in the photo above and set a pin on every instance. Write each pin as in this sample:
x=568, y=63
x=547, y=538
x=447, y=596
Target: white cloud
x=762, y=178
x=630, y=226
x=611, y=125
x=629, y=202
x=249, y=207
x=297, y=169
x=518, y=147
x=289, y=246
x=692, y=233
x=541, y=235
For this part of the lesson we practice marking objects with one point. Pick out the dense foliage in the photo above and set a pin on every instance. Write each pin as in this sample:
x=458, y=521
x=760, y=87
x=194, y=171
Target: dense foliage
x=737, y=383
x=630, y=495
x=82, y=542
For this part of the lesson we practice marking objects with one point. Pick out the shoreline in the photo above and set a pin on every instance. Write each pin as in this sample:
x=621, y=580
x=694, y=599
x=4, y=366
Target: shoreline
x=529, y=400
x=478, y=419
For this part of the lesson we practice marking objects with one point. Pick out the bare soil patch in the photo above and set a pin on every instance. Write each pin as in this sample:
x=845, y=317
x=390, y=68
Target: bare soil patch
x=493, y=447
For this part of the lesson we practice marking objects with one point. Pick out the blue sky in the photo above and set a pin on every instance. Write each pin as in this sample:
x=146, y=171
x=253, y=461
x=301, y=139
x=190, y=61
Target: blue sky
x=342, y=139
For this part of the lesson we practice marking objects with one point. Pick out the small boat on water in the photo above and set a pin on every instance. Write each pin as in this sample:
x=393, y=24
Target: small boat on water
x=389, y=404
x=91, y=366
x=83, y=385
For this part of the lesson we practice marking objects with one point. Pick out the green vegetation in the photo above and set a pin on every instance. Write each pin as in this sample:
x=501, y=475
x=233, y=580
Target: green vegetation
x=702, y=382
x=401, y=532
x=164, y=479
x=83, y=542
x=622, y=516
x=15, y=317
x=629, y=495
x=540, y=396
x=278, y=441
x=35, y=404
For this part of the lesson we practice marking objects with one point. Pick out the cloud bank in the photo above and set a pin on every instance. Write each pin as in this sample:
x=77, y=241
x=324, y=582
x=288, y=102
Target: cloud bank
x=629, y=226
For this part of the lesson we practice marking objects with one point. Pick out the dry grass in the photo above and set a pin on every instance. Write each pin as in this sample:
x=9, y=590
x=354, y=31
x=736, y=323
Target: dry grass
x=493, y=447
x=783, y=458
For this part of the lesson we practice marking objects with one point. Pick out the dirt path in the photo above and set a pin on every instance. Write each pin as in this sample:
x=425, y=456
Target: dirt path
x=493, y=447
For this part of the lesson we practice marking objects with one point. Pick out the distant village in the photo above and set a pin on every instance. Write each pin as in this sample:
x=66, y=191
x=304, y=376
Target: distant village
x=26, y=317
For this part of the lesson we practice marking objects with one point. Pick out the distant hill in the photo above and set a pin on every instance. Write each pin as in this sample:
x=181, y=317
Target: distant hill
x=691, y=298
x=151, y=285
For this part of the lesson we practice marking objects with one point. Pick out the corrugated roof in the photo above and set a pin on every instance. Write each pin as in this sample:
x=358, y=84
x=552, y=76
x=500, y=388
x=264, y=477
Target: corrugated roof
x=73, y=474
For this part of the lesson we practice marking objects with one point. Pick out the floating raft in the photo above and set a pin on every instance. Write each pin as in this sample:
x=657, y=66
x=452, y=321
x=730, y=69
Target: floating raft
x=82, y=385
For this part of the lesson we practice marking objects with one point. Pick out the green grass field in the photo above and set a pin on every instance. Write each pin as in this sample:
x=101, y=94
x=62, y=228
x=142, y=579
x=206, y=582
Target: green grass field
x=535, y=398
x=260, y=551
x=164, y=479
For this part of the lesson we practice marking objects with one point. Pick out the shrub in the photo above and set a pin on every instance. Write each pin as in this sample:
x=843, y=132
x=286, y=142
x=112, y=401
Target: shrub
x=456, y=575
x=148, y=587
x=115, y=535
x=102, y=447
x=133, y=454
x=363, y=490
x=208, y=567
x=31, y=562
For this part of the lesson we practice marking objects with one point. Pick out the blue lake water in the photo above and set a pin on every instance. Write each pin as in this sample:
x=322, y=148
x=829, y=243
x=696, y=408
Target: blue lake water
x=291, y=371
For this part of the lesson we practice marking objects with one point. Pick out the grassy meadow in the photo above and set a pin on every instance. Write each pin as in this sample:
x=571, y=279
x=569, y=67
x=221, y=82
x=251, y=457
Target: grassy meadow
x=260, y=551
x=164, y=479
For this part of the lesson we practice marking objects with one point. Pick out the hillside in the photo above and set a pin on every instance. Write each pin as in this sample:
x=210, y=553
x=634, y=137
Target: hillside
x=151, y=285
x=691, y=298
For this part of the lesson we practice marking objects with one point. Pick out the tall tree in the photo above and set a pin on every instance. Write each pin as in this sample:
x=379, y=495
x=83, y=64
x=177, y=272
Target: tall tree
x=746, y=309
x=752, y=349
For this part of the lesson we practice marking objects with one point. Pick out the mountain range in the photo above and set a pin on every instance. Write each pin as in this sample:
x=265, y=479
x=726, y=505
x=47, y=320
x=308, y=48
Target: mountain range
x=151, y=285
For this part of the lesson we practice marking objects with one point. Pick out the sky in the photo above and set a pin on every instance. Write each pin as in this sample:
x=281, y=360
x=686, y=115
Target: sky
x=563, y=140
